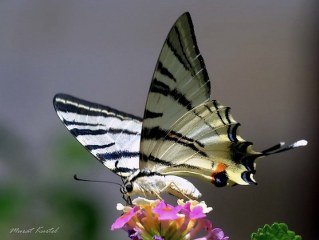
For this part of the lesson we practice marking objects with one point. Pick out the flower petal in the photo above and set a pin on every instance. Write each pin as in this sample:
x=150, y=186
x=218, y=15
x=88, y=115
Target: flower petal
x=217, y=234
x=205, y=208
x=140, y=201
x=196, y=213
x=166, y=211
x=122, y=220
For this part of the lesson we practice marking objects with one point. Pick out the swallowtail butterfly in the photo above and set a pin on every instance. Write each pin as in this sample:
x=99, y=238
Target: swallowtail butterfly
x=183, y=132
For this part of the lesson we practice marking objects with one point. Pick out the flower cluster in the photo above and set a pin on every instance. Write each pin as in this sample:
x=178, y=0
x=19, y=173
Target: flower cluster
x=156, y=220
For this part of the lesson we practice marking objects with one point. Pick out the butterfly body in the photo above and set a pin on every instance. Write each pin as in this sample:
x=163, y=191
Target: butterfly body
x=183, y=132
x=147, y=183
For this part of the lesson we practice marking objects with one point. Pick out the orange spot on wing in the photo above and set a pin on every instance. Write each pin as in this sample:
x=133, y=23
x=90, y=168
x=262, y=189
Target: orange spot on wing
x=219, y=168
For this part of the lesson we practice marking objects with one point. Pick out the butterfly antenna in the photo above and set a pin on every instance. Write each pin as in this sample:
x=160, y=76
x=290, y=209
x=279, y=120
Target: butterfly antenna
x=89, y=180
x=278, y=148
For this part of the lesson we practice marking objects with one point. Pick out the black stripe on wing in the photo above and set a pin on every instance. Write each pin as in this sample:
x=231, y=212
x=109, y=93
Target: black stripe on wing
x=68, y=123
x=157, y=134
x=232, y=132
x=167, y=163
x=121, y=170
x=118, y=155
x=150, y=114
x=161, y=88
x=78, y=132
x=218, y=113
x=94, y=147
x=163, y=70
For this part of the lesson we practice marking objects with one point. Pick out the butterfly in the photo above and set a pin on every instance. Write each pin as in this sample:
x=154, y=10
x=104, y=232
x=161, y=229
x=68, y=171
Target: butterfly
x=183, y=132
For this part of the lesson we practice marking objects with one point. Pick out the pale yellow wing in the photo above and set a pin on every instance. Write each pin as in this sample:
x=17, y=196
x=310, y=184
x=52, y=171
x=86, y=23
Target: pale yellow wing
x=205, y=143
x=180, y=82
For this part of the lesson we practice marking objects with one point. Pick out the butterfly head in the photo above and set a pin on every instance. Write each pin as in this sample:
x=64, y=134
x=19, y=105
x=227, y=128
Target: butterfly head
x=137, y=183
x=127, y=188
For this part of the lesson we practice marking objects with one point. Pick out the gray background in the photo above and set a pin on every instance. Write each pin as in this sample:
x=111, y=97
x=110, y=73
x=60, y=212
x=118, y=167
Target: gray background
x=261, y=57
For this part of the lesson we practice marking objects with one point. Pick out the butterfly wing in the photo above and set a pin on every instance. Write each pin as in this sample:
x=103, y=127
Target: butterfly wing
x=179, y=83
x=205, y=143
x=183, y=131
x=113, y=137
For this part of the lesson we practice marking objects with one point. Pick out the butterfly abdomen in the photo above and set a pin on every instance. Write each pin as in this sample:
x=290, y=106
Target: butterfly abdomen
x=149, y=183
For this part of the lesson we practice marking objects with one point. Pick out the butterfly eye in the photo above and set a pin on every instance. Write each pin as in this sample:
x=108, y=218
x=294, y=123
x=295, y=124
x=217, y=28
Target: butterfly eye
x=129, y=187
x=221, y=179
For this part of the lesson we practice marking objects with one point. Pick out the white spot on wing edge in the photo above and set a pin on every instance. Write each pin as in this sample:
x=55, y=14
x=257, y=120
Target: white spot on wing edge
x=300, y=143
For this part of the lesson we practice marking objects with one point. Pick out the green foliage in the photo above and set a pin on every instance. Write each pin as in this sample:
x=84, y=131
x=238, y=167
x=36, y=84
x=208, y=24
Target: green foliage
x=31, y=201
x=77, y=215
x=277, y=231
x=11, y=203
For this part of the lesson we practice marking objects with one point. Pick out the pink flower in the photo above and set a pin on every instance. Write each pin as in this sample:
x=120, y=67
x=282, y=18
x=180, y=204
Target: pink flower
x=217, y=234
x=122, y=220
x=197, y=213
x=193, y=212
x=166, y=211
x=156, y=220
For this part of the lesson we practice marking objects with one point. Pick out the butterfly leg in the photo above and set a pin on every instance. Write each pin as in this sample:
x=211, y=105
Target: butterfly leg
x=158, y=195
x=157, y=192
x=153, y=191
x=181, y=188
x=175, y=187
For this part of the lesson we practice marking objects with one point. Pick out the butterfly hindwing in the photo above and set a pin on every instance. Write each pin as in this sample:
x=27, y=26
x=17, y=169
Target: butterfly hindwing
x=202, y=143
x=113, y=137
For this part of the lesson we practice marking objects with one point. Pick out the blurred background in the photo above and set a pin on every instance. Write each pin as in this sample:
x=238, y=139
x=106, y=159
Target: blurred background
x=262, y=59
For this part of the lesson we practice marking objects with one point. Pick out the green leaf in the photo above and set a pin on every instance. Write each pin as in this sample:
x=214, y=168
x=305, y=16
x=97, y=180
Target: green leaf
x=277, y=231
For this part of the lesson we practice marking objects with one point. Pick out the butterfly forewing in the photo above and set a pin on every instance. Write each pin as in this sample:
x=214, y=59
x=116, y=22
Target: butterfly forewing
x=179, y=83
x=113, y=137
